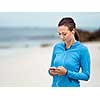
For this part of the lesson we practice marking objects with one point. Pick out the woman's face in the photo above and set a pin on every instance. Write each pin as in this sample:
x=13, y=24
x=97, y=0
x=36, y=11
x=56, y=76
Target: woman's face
x=65, y=34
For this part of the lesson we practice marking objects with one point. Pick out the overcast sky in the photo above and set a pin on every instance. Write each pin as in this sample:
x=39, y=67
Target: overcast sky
x=47, y=19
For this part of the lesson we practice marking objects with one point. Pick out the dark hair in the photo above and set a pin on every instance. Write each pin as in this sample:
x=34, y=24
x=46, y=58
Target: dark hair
x=69, y=22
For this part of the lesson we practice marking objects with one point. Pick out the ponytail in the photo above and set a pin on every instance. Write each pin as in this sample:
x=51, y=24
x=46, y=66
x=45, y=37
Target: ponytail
x=76, y=35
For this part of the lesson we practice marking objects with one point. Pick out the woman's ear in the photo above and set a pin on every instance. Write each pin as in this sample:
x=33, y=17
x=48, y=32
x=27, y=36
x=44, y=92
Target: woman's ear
x=73, y=31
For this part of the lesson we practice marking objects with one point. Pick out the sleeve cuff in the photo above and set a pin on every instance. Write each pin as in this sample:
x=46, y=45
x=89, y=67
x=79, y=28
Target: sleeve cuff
x=68, y=73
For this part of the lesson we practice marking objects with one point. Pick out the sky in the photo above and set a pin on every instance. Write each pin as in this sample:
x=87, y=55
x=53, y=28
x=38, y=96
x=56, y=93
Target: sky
x=48, y=19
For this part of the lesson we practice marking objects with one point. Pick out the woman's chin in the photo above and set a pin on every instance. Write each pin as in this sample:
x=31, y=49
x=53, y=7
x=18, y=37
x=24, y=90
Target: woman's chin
x=64, y=41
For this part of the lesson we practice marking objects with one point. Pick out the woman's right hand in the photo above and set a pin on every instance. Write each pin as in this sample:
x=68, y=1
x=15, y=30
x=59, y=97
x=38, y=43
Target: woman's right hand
x=52, y=72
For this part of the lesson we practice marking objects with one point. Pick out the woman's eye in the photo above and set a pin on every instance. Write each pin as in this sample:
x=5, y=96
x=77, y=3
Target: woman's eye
x=59, y=33
x=64, y=34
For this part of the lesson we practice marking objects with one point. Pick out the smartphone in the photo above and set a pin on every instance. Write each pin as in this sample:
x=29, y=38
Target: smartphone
x=52, y=68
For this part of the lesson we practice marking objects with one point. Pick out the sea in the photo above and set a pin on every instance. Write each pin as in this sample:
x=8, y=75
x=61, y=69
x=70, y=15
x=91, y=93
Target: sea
x=26, y=37
x=16, y=37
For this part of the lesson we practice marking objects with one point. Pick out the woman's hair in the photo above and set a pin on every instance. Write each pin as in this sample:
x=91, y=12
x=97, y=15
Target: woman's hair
x=69, y=22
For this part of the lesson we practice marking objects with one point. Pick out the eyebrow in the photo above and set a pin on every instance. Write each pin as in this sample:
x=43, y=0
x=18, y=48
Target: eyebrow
x=61, y=33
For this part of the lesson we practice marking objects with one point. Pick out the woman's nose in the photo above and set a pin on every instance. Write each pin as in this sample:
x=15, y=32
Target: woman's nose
x=61, y=36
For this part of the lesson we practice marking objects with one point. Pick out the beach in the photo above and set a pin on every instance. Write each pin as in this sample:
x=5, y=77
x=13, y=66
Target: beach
x=28, y=66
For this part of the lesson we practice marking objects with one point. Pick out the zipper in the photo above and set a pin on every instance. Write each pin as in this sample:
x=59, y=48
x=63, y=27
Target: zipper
x=59, y=78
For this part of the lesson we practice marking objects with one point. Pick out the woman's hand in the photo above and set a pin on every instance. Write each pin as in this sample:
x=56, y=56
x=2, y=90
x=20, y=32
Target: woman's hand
x=61, y=70
x=52, y=72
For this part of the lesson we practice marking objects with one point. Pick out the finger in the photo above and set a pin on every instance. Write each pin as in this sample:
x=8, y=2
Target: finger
x=59, y=68
x=52, y=72
x=57, y=71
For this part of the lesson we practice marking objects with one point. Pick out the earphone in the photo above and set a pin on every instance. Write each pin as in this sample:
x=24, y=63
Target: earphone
x=73, y=31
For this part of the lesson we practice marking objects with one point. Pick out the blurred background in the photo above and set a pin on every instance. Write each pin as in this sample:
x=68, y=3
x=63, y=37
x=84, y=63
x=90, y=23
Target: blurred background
x=27, y=39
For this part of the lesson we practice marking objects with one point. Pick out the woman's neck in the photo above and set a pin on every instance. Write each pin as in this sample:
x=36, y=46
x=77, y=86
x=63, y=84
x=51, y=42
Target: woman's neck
x=68, y=44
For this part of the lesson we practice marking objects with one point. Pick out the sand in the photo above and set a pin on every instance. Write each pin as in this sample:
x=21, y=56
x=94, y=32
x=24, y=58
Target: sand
x=29, y=66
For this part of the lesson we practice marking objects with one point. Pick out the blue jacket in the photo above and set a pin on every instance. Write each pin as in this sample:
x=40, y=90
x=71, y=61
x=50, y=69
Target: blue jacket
x=73, y=59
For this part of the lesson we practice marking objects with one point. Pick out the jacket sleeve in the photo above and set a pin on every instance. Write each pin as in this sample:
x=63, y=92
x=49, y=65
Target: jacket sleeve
x=53, y=57
x=85, y=66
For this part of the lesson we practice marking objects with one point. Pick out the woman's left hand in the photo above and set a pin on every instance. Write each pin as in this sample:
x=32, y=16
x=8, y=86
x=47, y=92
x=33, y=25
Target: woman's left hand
x=61, y=70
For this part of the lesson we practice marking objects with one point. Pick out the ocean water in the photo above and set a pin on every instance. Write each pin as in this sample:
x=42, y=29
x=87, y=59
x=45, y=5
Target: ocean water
x=26, y=37
x=11, y=37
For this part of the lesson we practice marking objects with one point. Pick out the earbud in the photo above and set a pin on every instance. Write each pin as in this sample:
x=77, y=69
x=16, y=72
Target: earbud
x=73, y=31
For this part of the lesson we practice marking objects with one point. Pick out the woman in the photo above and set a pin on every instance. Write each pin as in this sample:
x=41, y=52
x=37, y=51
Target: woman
x=69, y=57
